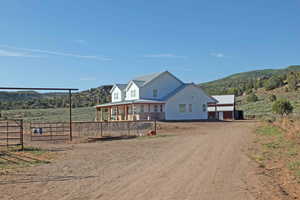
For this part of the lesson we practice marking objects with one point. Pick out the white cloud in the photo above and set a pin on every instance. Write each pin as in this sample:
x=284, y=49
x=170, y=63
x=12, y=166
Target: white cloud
x=56, y=53
x=218, y=55
x=166, y=55
x=16, y=54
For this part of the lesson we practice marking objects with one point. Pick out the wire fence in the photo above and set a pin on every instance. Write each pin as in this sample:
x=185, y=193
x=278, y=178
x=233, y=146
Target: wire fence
x=112, y=129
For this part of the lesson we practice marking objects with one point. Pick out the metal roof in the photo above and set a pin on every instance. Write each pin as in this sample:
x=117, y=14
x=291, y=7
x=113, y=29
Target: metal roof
x=121, y=86
x=147, y=78
x=129, y=102
x=224, y=99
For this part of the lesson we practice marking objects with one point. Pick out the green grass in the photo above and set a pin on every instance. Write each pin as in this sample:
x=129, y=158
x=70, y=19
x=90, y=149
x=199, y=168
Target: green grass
x=269, y=130
x=51, y=114
x=14, y=160
x=34, y=150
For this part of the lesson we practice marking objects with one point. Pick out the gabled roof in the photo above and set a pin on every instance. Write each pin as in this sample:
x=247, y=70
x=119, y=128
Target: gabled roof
x=120, y=86
x=183, y=86
x=224, y=99
x=144, y=80
x=147, y=78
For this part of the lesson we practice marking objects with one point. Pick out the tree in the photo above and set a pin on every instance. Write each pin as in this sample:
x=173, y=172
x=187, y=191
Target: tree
x=273, y=82
x=282, y=107
x=252, y=98
x=272, y=98
x=293, y=80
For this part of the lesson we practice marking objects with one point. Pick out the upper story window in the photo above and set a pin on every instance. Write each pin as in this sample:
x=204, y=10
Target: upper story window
x=116, y=96
x=190, y=107
x=155, y=92
x=204, y=107
x=133, y=93
x=182, y=108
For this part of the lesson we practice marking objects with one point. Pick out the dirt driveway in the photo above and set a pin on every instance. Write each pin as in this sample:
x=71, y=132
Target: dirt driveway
x=193, y=161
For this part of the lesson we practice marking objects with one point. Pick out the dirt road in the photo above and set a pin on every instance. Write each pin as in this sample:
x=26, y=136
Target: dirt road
x=190, y=161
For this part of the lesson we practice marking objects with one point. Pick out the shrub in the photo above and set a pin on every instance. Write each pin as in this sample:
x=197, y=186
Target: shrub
x=293, y=80
x=252, y=98
x=282, y=107
x=272, y=83
x=272, y=98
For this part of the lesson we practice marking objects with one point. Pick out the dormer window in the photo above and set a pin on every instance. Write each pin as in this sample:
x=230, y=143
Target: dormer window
x=133, y=93
x=155, y=92
x=116, y=96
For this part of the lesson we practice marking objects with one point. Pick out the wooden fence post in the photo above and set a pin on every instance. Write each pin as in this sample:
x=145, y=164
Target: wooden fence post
x=22, y=135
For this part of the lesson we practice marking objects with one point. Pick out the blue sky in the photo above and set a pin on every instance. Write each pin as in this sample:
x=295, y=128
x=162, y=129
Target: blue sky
x=83, y=44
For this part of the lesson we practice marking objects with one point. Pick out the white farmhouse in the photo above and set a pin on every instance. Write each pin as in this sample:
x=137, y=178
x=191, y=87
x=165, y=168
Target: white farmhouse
x=160, y=96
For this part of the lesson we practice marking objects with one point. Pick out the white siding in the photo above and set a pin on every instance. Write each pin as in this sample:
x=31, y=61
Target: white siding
x=164, y=84
x=117, y=91
x=189, y=95
x=128, y=92
x=221, y=108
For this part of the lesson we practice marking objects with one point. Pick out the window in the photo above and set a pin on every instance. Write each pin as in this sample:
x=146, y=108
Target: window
x=133, y=93
x=155, y=108
x=190, y=107
x=155, y=92
x=182, y=108
x=116, y=96
x=161, y=108
x=142, y=108
x=204, y=107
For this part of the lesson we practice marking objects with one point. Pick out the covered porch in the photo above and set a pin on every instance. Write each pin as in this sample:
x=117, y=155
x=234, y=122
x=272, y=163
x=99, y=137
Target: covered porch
x=131, y=111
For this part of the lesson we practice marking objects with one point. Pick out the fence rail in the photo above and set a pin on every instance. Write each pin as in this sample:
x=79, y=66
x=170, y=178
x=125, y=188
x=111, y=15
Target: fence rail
x=11, y=134
x=52, y=131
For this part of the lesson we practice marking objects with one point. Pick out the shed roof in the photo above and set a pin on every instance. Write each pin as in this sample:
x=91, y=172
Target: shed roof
x=224, y=99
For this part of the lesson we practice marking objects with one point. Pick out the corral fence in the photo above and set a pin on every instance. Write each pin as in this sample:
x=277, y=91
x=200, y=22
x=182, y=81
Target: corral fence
x=11, y=134
x=50, y=131
x=112, y=129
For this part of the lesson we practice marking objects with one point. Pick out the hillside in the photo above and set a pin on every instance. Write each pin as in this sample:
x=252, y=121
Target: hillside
x=35, y=100
x=263, y=107
x=241, y=80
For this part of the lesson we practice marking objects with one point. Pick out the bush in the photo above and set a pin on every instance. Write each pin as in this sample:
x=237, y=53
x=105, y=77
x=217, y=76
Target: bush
x=272, y=83
x=252, y=98
x=293, y=80
x=282, y=107
x=272, y=98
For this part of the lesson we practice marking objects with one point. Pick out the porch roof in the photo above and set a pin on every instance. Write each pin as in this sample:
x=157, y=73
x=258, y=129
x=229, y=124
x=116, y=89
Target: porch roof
x=137, y=101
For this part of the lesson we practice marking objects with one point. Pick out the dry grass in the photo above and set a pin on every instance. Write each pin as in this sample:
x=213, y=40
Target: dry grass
x=277, y=151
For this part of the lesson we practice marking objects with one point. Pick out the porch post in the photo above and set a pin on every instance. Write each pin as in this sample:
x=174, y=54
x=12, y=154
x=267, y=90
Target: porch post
x=117, y=113
x=97, y=113
x=109, y=109
x=125, y=111
x=100, y=115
